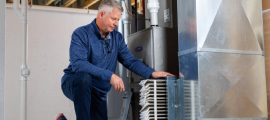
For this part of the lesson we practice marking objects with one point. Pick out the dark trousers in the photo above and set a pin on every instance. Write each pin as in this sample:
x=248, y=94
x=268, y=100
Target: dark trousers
x=87, y=103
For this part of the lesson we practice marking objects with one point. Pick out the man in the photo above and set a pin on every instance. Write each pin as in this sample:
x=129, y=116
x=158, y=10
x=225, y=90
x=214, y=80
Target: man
x=94, y=51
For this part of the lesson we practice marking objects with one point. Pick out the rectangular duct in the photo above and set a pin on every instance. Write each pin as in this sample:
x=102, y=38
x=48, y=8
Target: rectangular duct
x=221, y=47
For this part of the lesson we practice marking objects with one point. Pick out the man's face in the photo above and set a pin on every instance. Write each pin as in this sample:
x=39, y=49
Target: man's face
x=110, y=21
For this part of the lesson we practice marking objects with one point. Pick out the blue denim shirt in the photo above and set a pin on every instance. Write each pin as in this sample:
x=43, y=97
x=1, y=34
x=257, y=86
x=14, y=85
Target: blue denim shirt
x=97, y=55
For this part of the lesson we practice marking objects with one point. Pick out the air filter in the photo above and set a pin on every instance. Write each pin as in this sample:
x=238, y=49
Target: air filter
x=169, y=99
x=153, y=99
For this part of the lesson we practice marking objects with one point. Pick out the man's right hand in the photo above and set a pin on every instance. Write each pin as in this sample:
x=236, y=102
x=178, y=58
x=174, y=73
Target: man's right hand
x=117, y=82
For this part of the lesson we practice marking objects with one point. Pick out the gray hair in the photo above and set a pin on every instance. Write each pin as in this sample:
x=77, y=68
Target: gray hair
x=108, y=5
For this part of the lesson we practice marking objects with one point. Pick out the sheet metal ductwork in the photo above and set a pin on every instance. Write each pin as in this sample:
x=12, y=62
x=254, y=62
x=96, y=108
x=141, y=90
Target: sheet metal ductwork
x=169, y=99
x=221, y=47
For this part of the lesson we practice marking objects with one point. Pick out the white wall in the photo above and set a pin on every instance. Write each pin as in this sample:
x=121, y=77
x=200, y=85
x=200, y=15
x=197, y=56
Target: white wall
x=49, y=40
x=2, y=55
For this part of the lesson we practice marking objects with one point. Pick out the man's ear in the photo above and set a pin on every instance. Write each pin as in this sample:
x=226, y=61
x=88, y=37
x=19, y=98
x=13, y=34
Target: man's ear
x=101, y=14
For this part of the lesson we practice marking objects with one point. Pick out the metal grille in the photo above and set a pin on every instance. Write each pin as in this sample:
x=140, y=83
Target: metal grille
x=191, y=99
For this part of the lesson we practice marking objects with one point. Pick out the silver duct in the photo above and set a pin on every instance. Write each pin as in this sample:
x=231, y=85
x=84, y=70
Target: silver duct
x=221, y=46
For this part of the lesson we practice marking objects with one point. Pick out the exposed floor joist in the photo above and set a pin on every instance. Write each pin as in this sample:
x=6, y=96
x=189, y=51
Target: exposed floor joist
x=69, y=2
x=89, y=3
x=133, y=2
x=49, y=2
x=11, y=1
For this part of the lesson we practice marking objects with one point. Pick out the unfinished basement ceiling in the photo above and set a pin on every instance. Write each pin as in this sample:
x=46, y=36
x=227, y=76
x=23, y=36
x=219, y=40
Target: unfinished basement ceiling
x=84, y=4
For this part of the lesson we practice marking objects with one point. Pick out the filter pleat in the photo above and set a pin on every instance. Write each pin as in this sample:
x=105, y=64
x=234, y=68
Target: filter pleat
x=153, y=99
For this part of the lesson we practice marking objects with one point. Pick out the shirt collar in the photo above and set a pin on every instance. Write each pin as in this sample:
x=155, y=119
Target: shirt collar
x=97, y=32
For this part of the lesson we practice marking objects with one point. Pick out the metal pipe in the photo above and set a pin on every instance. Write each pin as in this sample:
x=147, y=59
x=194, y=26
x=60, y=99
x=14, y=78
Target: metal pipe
x=127, y=22
x=126, y=18
x=136, y=15
x=25, y=72
x=120, y=22
x=126, y=31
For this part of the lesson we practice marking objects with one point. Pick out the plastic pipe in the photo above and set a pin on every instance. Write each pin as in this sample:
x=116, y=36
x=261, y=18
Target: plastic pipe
x=153, y=7
x=16, y=8
x=25, y=72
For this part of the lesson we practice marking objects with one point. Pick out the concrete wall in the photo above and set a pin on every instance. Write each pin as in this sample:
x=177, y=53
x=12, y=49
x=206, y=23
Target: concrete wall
x=2, y=55
x=49, y=41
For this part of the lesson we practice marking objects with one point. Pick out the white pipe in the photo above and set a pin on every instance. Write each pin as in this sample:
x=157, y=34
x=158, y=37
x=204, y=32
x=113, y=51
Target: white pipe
x=153, y=6
x=25, y=72
x=23, y=101
x=16, y=8
x=126, y=18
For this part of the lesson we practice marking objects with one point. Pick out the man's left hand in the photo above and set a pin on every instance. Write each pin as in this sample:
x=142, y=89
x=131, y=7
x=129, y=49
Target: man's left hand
x=159, y=74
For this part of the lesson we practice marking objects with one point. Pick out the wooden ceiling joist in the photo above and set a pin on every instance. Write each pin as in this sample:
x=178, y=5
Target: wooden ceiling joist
x=89, y=3
x=133, y=2
x=11, y=1
x=49, y=2
x=69, y=2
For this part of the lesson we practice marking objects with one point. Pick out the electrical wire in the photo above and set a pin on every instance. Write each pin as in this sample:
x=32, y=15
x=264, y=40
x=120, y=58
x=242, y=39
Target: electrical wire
x=132, y=15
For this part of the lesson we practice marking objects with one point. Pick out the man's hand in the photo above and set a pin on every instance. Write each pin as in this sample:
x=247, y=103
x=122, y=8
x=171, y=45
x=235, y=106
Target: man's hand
x=159, y=74
x=118, y=84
